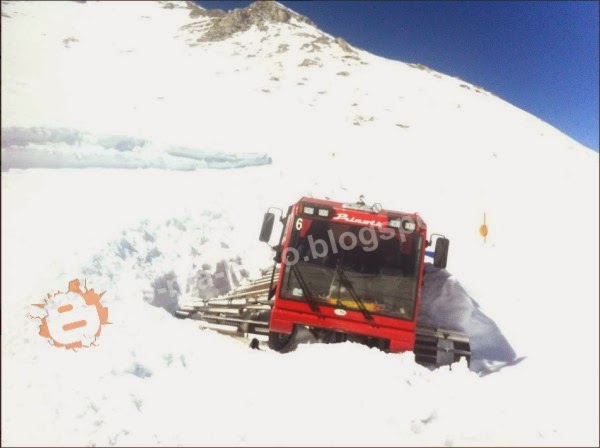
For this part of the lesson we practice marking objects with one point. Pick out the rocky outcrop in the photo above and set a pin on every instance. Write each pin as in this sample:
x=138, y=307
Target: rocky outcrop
x=260, y=14
x=344, y=45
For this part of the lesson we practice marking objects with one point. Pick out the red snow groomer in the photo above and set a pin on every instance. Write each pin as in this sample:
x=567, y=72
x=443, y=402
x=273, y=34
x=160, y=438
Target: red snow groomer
x=343, y=271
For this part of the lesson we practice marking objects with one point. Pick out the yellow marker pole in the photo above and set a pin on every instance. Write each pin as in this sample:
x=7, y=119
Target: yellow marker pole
x=483, y=230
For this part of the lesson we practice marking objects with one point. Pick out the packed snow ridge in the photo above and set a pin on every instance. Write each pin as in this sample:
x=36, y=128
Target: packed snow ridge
x=40, y=147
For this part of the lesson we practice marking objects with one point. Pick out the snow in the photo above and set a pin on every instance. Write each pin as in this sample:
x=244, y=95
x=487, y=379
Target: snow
x=70, y=148
x=445, y=304
x=529, y=294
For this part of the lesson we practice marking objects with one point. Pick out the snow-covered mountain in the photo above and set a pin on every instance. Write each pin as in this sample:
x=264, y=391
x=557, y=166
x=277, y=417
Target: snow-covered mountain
x=173, y=85
x=257, y=79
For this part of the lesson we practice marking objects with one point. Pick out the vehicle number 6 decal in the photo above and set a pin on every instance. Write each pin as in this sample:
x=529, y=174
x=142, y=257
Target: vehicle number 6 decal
x=299, y=224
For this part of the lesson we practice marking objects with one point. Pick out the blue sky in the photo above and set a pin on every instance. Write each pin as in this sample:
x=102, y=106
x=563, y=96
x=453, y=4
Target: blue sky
x=542, y=56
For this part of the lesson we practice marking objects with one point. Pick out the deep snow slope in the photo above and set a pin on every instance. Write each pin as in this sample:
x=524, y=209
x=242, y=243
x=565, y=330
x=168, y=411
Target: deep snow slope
x=336, y=122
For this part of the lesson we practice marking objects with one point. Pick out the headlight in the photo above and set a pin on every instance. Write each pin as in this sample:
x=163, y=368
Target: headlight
x=324, y=212
x=395, y=223
x=409, y=226
x=406, y=224
x=309, y=210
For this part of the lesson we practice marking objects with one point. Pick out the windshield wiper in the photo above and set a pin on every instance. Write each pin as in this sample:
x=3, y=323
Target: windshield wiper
x=359, y=303
x=305, y=289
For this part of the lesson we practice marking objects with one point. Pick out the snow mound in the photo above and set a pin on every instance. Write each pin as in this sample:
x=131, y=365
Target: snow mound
x=167, y=260
x=445, y=304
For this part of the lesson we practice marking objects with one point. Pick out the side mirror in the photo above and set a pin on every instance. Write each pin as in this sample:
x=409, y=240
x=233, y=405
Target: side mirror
x=440, y=256
x=267, y=227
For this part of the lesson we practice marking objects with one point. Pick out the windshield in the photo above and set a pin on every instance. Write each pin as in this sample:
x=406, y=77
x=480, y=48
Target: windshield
x=347, y=266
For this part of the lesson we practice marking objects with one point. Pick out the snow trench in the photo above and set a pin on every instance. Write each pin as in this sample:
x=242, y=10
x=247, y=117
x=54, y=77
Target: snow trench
x=177, y=259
